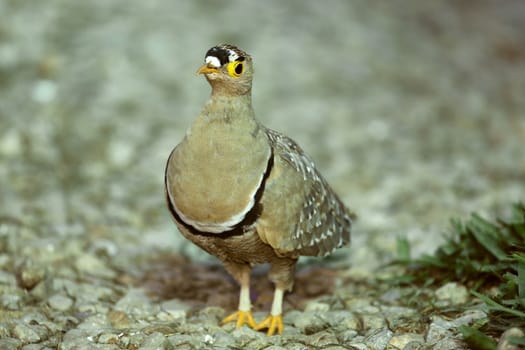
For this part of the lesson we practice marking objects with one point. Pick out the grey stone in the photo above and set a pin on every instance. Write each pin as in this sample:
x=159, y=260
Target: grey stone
x=82, y=292
x=359, y=346
x=373, y=321
x=62, y=323
x=4, y=330
x=60, y=302
x=323, y=339
x=504, y=343
x=11, y=299
x=7, y=278
x=31, y=274
x=440, y=327
x=25, y=333
x=36, y=317
x=106, y=338
x=219, y=339
x=33, y=347
x=42, y=290
x=311, y=322
x=172, y=309
x=401, y=341
x=10, y=344
x=452, y=293
x=316, y=305
x=348, y=336
x=447, y=344
x=78, y=339
x=91, y=307
x=440, y=333
x=124, y=340
x=4, y=259
x=154, y=341
x=137, y=304
x=181, y=341
x=119, y=319
x=93, y=324
x=378, y=339
x=246, y=333
x=88, y=263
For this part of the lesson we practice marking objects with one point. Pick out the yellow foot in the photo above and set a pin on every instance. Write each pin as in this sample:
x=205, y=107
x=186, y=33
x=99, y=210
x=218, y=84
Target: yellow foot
x=273, y=323
x=241, y=317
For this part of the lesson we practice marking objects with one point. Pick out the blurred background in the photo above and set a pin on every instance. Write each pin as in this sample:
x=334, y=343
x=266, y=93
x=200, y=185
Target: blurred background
x=414, y=111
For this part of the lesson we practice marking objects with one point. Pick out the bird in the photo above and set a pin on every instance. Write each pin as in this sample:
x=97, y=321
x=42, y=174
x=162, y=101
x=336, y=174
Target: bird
x=247, y=194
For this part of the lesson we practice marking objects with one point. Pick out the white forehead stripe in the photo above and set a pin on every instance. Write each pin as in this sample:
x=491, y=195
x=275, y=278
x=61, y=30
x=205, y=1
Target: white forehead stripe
x=232, y=56
x=214, y=61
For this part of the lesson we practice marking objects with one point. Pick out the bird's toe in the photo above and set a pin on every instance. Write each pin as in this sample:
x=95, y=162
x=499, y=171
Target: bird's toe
x=240, y=318
x=274, y=324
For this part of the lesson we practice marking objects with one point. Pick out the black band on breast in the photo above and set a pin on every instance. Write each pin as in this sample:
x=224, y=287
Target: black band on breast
x=249, y=219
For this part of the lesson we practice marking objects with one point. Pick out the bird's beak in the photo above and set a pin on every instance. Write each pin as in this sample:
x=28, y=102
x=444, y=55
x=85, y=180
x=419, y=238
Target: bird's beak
x=206, y=69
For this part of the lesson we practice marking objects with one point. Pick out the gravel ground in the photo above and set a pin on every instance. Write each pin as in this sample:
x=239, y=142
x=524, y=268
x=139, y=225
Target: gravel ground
x=414, y=111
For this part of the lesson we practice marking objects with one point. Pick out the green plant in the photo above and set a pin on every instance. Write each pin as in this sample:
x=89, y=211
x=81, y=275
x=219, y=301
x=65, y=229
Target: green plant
x=489, y=258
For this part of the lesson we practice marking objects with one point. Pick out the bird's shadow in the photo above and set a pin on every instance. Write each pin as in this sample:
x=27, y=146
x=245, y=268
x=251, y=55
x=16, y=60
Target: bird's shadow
x=208, y=284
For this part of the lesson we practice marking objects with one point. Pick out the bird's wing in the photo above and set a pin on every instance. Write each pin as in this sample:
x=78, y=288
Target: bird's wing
x=322, y=223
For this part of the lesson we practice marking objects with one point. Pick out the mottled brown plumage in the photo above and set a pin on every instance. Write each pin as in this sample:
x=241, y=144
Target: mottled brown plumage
x=248, y=194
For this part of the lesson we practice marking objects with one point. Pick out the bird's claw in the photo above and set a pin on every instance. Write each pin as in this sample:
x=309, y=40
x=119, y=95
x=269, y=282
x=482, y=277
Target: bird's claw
x=241, y=318
x=272, y=323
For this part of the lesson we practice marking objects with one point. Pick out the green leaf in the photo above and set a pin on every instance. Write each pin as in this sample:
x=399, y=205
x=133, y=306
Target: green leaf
x=521, y=280
x=486, y=234
x=497, y=307
x=432, y=261
x=477, y=340
x=519, y=257
x=403, y=249
x=521, y=230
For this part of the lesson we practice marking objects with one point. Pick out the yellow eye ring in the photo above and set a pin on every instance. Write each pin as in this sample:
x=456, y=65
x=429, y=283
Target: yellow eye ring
x=235, y=69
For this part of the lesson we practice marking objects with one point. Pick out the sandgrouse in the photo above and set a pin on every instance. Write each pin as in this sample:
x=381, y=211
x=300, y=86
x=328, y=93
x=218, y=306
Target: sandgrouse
x=247, y=194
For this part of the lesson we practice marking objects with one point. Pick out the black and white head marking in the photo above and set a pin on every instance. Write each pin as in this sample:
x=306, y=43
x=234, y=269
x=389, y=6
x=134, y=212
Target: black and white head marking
x=218, y=56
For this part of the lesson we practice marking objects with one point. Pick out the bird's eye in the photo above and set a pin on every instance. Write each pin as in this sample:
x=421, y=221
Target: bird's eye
x=235, y=68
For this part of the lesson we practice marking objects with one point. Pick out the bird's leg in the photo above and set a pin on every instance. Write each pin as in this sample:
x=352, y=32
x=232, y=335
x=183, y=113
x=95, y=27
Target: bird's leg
x=274, y=321
x=281, y=274
x=241, y=273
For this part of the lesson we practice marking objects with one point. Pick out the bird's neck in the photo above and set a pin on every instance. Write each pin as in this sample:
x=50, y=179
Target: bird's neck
x=228, y=108
x=225, y=115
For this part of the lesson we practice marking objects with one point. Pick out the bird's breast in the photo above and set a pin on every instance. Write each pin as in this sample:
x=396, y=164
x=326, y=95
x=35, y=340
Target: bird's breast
x=213, y=175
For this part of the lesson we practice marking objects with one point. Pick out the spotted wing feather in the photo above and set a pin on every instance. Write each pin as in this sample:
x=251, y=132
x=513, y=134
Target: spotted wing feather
x=323, y=221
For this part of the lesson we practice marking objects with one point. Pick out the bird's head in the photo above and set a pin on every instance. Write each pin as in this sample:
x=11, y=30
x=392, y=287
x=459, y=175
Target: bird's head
x=228, y=69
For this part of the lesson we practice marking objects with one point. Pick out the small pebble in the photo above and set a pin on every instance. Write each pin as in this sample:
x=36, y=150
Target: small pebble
x=119, y=319
x=154, y=341
x=4, y=331
x=373, y=321
x=7, y=278
x=310, y=322
x=137, y=304
x=379, y=338
x=402, y=340
x=173, y=309
x=90, y=264
x=10, y=344
x=317, y=306
x=108, y=338
x=31, y=275
x=323, y=339
x=452, y=293
x=26, y=333
x=60, y=302
x=505, y=344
